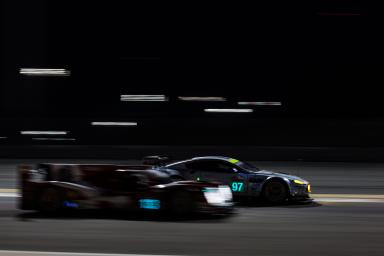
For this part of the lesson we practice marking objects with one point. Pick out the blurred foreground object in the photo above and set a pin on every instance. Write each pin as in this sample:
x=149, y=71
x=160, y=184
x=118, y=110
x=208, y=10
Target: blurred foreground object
x=51, y=188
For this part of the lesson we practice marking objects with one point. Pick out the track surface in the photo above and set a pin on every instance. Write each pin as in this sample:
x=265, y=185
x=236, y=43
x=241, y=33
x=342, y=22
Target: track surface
x=326, y=228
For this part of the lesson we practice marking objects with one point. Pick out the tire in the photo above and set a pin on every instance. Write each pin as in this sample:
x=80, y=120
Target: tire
x=50, y=201
x=182, y=204
x=275, y=191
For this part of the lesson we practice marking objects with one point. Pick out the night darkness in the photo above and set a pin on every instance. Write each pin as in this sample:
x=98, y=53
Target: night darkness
x=322, y=61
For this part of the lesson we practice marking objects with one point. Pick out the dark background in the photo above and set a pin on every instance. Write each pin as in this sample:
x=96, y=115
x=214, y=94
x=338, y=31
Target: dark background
x=322, y=60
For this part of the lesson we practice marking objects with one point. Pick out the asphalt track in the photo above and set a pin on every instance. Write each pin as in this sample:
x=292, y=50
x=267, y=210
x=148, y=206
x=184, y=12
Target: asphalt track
x=347, y=218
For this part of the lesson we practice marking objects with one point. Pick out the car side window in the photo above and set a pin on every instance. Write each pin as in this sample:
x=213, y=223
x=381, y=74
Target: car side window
x=224, y=167
x=199, y=165
x=193, y=165
x=211, y=166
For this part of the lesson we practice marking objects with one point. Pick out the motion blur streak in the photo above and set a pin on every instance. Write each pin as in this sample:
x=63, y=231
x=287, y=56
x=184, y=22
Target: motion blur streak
x=325, y=228
x=359, y=196
x=44, y=72
x=260, y=103
x=228, y=110
x=8, y=195
x=348, y=200
x=182, y=98
x=28, y=253
x=143, y=98
x=6, y=192
x=55, y=139
x=340, y=198
x=3, y=138
x=44, y=132
x=114, y=123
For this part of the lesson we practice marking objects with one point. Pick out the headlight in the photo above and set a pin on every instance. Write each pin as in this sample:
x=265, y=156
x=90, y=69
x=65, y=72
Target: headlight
x=220, y=196
x=309, y=188
x=299, y=182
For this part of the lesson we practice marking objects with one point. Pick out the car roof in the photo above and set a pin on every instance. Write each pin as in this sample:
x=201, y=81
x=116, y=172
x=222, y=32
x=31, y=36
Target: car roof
x=221, y=158
x=224, y=158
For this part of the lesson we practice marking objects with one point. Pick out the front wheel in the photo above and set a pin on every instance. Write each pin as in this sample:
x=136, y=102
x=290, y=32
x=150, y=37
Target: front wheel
x=275, y=191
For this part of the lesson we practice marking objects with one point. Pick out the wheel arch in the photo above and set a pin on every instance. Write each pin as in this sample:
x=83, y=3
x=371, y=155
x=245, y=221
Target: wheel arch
x=280, y=179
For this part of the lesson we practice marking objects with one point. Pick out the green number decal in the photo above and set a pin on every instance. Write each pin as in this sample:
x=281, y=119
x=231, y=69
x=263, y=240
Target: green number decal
x=237, y=187
x=240, y=186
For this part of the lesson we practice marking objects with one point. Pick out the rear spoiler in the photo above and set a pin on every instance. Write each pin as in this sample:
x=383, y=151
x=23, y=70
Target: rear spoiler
x=155, y=160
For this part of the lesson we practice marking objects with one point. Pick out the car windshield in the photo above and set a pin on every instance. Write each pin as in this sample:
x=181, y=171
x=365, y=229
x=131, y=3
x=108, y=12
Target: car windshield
x=247, y=166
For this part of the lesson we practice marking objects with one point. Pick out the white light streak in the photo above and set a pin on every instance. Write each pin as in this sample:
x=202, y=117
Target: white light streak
x=44, y=132
x=114, y=123
x=9, y=195
x=143, y=98
x=41, y=253
x=55, y=139
x=228, y=110
x=260, y=103
x=183, y=98
x=3, y=138
x=44, y=72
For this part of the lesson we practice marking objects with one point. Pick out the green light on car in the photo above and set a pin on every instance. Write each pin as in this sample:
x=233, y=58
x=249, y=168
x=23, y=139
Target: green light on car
x=233, y=161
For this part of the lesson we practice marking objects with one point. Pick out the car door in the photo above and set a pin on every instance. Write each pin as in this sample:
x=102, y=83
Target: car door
x=226, y=173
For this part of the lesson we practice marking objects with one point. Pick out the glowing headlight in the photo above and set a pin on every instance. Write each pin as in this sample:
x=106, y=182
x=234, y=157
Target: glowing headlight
x=220, y=196
x=299, y=182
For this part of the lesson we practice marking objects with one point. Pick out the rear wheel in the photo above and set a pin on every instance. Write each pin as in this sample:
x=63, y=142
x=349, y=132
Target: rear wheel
x=50, y=201
x=275, y=191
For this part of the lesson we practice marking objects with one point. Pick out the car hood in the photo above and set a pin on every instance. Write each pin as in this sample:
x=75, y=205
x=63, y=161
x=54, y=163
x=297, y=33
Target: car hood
x=278, y=174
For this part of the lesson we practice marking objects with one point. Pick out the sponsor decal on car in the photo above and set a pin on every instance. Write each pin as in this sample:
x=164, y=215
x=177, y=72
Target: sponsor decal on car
x=151, y=204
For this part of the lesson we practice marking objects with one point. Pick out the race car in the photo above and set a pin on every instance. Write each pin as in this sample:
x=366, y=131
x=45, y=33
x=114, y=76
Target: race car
x=245, y=180
x=51, y=188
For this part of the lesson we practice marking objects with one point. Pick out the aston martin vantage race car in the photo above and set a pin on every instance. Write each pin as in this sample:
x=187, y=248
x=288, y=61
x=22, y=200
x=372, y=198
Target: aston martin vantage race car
x=245, y=180
x=52, y=188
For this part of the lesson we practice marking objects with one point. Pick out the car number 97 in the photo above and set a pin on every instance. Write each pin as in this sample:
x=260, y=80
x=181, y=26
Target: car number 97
x=238, y=186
